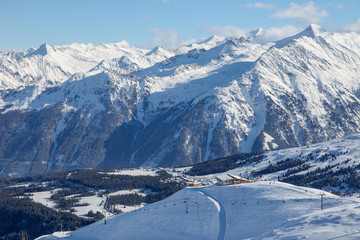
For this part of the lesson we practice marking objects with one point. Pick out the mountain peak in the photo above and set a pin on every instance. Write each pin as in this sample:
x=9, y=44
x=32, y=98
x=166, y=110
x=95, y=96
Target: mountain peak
x=312, y=31
x=236, y=41
x=122, y=43
x=256, y=32
x=155, y=50
x=159, y=54
x=213, y=38
x=43, y=50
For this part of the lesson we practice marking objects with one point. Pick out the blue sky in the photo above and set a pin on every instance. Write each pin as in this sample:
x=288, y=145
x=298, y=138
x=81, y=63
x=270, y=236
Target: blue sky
x=169, y=23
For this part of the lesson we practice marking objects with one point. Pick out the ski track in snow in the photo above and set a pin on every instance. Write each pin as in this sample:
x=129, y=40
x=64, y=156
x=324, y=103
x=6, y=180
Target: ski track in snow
x=222, y=214
x=215, y=203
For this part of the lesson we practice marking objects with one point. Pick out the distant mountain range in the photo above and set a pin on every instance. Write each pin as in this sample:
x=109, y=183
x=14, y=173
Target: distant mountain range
x=112, y=105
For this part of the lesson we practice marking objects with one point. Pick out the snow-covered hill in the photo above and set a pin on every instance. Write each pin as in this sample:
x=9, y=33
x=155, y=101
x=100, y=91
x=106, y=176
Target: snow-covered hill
x=112, y=105
x=332, y=166
x=282, y=210
x=261, y=210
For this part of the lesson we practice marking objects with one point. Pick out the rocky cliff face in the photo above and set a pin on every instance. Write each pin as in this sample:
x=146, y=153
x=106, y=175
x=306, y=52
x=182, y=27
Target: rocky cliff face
x=123, y=106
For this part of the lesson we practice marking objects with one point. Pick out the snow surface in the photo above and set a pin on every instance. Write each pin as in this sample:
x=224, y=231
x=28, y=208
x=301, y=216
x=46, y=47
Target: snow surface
x=126, y=208
x=96, y=204
x=51, y=65
x=236, y=81
x=135, y=172
x=260, y=210
x=346, y=150
x=44, y=198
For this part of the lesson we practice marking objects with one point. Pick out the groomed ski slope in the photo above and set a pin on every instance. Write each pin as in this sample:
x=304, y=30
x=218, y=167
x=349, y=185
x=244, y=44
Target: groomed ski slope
x=260, y=210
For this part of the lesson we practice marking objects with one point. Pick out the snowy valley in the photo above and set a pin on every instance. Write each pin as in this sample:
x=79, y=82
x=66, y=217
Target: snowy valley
x=264, y=208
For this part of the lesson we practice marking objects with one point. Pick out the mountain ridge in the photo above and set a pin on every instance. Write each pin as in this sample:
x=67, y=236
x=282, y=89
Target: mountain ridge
x=177, y=107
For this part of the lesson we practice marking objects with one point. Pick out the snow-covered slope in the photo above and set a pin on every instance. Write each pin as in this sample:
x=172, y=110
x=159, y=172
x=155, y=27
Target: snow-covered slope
x=310, y=88
x=242, y=97
x=332, y=166
x=261, y=210
x=51, y=65
x=115, y=105
x=207, y=44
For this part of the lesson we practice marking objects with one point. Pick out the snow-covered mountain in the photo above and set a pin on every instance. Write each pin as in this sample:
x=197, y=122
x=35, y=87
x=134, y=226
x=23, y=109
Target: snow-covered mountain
x=332, y=166
x=260, y=210
x=113, y=105
x=52, y=65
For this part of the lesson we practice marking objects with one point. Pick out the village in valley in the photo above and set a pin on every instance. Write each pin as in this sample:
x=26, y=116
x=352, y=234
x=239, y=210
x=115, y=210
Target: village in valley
x=222, y=180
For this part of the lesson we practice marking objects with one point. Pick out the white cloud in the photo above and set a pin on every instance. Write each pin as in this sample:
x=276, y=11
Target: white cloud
x=336, y=5
x=262, y=35
x=308, y=13
x=166, y=39
x=225, y=31
x=260, y=5
x=277, y=33
x=171, y=39
x=350, y=27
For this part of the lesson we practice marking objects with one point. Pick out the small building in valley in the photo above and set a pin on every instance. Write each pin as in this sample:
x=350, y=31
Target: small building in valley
x=194, y=184
x=231, y=179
